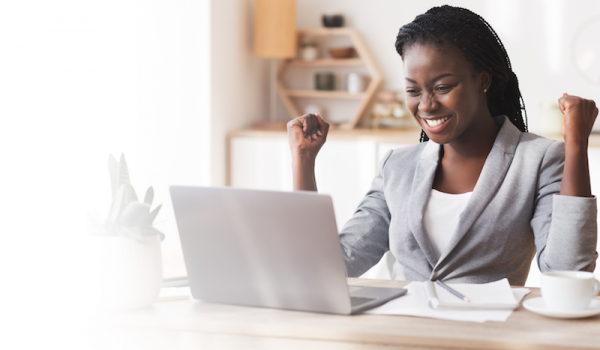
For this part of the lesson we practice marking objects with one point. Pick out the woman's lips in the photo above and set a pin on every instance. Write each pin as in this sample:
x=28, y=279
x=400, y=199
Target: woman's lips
x=436, y=124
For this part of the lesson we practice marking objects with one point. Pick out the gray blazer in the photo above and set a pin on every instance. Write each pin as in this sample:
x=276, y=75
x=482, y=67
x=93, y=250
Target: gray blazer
x=514, y=210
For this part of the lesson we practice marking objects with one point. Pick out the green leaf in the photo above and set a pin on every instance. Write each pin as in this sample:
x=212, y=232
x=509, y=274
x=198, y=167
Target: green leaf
x=150, y=218
x=129, y=194
x=123, y=172
x=134, y=215
x=149, y=197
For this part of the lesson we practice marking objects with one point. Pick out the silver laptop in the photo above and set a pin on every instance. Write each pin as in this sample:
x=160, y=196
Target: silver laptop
x=265, y=248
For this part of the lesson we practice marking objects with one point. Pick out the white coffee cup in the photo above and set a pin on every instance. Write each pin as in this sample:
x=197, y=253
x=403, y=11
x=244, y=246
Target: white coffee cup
x=569, y=290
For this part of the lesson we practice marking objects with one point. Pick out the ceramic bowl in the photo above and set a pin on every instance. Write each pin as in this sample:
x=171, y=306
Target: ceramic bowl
x=342, y=52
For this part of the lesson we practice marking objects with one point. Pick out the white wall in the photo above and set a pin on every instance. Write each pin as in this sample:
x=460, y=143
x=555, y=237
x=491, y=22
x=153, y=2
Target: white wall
x=239, y=80
x=536, y=33
x=83, y=79
x=80, y=79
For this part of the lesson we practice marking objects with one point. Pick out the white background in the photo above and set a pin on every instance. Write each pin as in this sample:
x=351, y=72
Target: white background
x=163, y=82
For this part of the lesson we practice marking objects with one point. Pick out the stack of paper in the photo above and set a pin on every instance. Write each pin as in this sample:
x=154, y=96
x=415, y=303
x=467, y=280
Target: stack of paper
x=495, y=295
x=415, y=302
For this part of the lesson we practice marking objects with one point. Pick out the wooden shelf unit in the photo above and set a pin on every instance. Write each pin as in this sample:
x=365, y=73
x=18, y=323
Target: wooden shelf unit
x=340, y=62
x=337, y=94
x=364, y=60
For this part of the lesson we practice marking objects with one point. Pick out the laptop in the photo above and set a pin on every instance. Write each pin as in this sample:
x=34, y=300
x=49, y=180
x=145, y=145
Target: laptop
x=267, y=249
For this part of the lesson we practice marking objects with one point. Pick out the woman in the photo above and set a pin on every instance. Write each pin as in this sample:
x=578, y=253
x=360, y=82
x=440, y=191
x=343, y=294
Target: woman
x=479, y=195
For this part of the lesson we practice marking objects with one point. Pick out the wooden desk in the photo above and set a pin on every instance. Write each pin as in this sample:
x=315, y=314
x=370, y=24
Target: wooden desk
x=186, y=324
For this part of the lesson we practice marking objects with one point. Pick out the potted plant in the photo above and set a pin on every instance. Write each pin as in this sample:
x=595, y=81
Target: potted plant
x=128, y=269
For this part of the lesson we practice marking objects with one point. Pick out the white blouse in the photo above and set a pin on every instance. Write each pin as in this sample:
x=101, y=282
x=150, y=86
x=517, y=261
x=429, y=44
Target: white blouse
x=441, y=217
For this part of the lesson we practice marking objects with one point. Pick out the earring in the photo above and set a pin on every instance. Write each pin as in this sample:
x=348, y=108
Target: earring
x=484, y=91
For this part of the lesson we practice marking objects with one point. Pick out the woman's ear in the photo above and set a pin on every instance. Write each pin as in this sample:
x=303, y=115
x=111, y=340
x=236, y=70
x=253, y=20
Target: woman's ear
x=485, y=80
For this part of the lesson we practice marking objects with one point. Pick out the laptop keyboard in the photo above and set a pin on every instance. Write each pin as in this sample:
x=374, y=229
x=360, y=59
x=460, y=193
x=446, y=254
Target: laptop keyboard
x=356, y=301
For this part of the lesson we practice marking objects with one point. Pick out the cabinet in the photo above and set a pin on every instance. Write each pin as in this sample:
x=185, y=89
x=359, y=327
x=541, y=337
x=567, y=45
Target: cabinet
x=292, y=95
x=344, y=170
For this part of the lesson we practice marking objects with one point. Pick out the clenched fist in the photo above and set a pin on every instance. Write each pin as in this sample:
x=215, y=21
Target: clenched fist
x=306, y=135
x=580, y=115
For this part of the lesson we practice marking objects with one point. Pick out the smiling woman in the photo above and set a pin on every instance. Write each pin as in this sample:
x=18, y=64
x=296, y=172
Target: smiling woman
x=476, y=199
x=463, y=33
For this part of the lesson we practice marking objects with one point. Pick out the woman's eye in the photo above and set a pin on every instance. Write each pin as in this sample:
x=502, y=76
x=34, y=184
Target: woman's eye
x=443, y=88
x=412, y=92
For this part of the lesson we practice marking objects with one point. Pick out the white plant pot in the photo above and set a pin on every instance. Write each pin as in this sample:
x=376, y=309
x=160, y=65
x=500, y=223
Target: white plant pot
x=128, y=273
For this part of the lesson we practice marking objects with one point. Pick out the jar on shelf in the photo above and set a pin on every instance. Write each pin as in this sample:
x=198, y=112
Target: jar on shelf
x=309, y=51
x=354, y=83
x=325, y=81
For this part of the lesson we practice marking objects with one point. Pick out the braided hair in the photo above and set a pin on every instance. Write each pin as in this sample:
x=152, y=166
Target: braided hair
x=480, y=45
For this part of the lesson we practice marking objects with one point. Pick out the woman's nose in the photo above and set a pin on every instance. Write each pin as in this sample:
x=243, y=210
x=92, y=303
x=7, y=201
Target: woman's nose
x=427, y=103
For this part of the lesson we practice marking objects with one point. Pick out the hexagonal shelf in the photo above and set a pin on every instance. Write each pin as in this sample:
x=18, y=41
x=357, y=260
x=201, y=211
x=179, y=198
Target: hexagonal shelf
x=364, y=59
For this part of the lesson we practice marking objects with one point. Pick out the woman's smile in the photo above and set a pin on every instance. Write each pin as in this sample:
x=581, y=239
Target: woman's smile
x=436, y=124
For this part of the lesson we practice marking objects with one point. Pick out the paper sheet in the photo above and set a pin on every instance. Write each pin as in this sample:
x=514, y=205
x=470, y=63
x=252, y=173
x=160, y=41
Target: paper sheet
x=495, y=295
x=414, y=303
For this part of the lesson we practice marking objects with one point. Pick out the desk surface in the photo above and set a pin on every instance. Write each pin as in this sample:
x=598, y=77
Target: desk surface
x=185, y=323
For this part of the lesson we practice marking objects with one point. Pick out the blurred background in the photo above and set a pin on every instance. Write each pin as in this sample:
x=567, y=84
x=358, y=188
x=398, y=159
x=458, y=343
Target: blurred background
x=170, y=83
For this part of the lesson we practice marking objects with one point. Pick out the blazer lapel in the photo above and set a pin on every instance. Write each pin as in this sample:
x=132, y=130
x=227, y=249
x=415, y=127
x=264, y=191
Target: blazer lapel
x=491, y=177
x=419, y=196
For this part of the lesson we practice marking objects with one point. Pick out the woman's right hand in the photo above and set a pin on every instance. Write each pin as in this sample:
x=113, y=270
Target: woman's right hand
x=306, y=135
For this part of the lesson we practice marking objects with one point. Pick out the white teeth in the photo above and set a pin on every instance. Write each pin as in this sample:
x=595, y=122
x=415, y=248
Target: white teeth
x=436, y=122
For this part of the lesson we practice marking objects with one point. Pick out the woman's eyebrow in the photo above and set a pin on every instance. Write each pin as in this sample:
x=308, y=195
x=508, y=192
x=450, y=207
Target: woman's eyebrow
x=434, y=79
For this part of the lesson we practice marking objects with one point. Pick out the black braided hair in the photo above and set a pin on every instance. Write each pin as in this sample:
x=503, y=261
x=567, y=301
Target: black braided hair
x=481, y=46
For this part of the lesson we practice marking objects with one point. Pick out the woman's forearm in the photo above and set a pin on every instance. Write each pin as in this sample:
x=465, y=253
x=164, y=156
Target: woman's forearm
x=576, y=174
x=303, y=172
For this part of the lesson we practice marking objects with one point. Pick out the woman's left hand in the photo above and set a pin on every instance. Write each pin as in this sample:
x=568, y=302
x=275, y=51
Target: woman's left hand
x=580, y=115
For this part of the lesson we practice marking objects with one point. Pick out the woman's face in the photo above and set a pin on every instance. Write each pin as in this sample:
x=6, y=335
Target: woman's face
x=443, y=92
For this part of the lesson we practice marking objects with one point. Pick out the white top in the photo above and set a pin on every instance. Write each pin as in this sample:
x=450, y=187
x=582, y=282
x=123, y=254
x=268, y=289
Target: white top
x=441, y=217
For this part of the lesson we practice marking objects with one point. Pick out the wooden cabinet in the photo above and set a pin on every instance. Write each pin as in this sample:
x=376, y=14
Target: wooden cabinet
x=345, y=168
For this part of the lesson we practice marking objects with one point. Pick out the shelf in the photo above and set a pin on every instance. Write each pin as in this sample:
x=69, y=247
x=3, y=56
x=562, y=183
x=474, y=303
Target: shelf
x=340, y=62
x=343, y=95
x=364, y=59
x=326, y=31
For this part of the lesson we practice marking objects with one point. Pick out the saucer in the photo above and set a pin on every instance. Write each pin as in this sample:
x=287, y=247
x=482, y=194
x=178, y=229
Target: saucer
x=538, y=306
